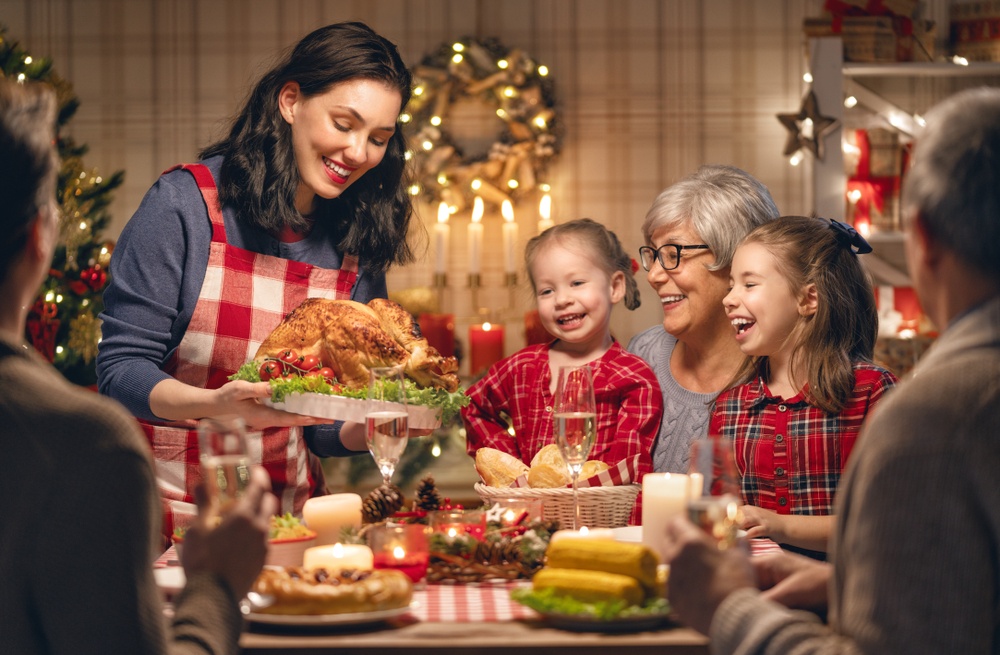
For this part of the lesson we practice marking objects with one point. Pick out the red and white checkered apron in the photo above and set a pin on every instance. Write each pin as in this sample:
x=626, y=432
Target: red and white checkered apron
x=244, y=297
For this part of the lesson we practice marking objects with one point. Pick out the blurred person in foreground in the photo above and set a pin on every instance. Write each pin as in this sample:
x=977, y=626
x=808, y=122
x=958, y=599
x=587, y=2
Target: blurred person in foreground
x=81, y=512
x=914, y=564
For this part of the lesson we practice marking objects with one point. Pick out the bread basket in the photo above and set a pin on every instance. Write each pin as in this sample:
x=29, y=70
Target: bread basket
x=607, y=506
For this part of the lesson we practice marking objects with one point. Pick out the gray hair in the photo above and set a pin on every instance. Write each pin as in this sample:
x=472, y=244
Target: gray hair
x=954, y=181
x=721, y=203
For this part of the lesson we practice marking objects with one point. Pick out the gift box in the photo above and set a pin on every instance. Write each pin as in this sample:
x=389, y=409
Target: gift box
x=876, y=30
x=975, y=30
x=873, y=181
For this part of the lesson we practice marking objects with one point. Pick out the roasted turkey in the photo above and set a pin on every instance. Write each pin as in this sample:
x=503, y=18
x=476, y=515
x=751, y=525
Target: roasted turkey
x=351, y=338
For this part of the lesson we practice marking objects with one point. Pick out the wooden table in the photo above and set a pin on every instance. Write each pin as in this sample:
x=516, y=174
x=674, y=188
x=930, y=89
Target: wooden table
x=523, y=637
x=453, y=619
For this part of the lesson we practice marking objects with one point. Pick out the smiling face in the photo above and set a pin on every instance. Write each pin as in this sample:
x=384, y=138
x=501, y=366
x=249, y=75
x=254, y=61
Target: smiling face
x=691, y=294
x=338, y=135
x=764, y=309
x=575, y=295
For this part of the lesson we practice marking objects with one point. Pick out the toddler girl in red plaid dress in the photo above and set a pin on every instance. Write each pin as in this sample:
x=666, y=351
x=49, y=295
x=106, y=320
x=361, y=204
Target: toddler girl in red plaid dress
x=578, y=272
x=804, y=311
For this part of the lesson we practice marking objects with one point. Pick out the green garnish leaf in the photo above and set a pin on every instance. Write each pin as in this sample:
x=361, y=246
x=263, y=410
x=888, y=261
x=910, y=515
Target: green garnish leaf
x=549, y=601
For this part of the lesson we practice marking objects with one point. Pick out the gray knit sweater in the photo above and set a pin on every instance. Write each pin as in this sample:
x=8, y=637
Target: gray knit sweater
x=685, y=413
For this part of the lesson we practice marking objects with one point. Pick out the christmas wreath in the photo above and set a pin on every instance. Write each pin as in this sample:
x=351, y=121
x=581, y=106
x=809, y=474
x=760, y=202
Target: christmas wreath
x=517, y=89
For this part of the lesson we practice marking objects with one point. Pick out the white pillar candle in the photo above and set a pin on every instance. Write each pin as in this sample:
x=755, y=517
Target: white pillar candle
x=327, y=515
x=664, y=496
x=339, y=557
x=476, y=235
x=509, y=237
x=582, y=533
x=441, y=234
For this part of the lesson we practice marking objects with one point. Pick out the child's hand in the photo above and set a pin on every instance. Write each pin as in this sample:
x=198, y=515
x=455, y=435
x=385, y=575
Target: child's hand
x=760, y=522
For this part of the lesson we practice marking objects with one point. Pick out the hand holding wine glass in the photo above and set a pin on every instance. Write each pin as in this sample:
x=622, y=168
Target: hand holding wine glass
x=386, y=419
x=714, y=504
x=222, y=445
x=575, y=418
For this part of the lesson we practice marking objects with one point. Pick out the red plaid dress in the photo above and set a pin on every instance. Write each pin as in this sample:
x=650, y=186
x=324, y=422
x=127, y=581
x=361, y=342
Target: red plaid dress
x=790, y=454
x=244, y=297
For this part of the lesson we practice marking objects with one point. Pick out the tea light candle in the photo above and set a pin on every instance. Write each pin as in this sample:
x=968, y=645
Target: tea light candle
x=664, y=496
x=327, y=515
x=339, y=557
x=582, y=533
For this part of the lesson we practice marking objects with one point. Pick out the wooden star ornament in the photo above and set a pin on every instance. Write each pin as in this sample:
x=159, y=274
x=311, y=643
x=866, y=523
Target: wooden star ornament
x=808, y=128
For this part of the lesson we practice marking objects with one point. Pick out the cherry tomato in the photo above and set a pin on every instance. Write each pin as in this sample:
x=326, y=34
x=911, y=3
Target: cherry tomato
x=309, y=362
x=289, y=356
x=328, y=374
x=311, y=374
x=270, y=369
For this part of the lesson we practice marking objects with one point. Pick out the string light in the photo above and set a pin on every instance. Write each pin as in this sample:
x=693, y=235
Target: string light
x=807, y=77
x=796, y=158
x=850, y=102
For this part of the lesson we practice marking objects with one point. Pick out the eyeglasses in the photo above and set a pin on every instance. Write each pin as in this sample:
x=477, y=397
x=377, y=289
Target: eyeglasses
x=669, y=255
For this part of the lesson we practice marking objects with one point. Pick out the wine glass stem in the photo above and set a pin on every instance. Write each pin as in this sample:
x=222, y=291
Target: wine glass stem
x=576, y=505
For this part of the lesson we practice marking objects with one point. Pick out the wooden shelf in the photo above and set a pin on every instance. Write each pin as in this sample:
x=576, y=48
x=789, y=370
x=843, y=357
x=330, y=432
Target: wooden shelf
x=922, y=69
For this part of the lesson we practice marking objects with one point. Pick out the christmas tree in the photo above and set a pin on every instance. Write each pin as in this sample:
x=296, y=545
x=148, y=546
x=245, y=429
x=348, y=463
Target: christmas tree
x=63, y=324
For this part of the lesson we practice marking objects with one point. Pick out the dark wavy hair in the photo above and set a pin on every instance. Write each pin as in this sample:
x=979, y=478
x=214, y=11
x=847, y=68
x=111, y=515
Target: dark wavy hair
x=845, y=325
x=259, y=177
x=28, y=162
x=605, y=248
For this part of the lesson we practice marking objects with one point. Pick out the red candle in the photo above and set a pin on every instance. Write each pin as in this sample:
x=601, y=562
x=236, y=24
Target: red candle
x=439, y=330
x=534, y=331
x=485, y=347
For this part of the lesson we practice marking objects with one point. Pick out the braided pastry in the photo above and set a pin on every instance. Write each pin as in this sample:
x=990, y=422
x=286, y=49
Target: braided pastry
x=311, y=592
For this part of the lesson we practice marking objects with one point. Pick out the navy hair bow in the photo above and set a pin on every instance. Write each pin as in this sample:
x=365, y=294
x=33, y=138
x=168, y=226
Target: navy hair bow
x=850, y=238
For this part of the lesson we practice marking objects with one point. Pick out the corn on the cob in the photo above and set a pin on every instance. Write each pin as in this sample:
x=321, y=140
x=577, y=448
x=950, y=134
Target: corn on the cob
x=590, y=586
x=633, y=560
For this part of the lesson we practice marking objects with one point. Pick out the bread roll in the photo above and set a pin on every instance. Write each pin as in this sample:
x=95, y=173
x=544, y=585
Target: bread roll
x=497, y=468
x=548, y=455
x=546, y=476
x=592, y=467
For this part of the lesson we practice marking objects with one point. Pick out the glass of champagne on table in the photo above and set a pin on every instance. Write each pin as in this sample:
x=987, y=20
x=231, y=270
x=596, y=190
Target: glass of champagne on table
x=222, y=443
x=386, y=419
x=714, y=502
x=575, y=428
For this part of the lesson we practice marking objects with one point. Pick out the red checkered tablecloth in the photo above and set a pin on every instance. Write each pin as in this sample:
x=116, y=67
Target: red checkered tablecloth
x=465, y=603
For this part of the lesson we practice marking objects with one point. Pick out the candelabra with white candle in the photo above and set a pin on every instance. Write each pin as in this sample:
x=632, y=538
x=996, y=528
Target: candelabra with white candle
x=442, y=232
x=475, y=248
x=509, y=242
x=544, y=213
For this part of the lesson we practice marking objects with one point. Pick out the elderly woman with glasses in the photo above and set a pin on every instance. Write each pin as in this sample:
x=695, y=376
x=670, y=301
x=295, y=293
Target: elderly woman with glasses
x=691, y=232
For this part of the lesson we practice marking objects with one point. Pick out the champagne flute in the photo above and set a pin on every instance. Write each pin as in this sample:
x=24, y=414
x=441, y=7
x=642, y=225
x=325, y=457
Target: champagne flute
x=575, y=418
x=386, y=419
x=714, y=495
x=222, y=445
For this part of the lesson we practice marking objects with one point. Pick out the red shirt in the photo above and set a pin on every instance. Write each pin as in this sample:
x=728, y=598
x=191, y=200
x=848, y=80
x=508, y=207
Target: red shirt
x=790, y=454
x=629, y=407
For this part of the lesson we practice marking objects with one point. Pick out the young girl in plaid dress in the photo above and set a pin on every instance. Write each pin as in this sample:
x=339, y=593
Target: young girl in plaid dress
x=804, y=311
x=578, y=272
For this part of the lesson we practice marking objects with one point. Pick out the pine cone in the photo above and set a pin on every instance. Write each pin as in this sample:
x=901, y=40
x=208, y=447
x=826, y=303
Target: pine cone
x=428, y=498
x=504, y=551
x=381, y=504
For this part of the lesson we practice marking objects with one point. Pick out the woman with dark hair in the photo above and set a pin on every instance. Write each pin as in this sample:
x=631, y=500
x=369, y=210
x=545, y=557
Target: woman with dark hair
x=305, y=197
